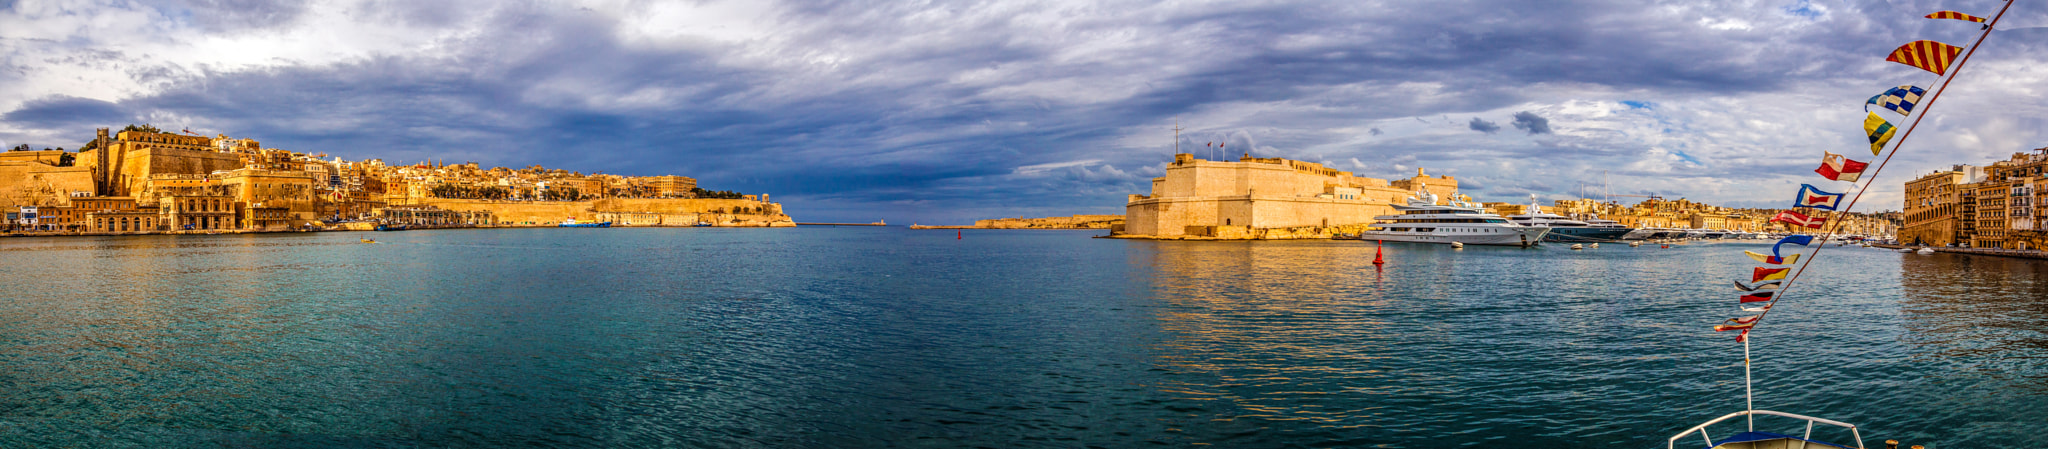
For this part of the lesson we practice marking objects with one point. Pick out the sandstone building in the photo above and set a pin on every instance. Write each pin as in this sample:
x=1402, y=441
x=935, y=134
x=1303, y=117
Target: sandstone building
x=1992, y=206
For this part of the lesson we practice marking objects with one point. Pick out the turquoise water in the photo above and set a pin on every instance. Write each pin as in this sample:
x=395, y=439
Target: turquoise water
x=887, y=337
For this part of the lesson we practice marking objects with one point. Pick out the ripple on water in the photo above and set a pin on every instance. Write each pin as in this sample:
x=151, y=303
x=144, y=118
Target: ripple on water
x=887, y=337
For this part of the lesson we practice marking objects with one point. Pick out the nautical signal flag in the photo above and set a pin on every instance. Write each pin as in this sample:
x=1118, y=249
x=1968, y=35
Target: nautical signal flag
x=1768, y=274
x=1750, y=288
x=1757, y=297
x=1899, y=99
x=1926, y=55
x=1955, y=15
x=1839, y=168
x=1743, y=323
x=1880, y=132
x=1817, y=199
x=1798, y=219
x=1770, y=259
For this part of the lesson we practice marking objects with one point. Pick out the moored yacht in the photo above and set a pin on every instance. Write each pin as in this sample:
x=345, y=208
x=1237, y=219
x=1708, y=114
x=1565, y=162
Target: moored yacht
x=1564, y=229
x=1424, y=221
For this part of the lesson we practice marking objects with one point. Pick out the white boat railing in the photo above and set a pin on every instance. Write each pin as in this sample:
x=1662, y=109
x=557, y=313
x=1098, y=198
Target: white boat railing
x=1702, y=428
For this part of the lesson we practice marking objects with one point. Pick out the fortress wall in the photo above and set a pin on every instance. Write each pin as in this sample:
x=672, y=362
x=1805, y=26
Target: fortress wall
x=519, y=212
x=35, y=183
x=641, y=211
x=136, y=168
x=1314, y=212
x=681, y=205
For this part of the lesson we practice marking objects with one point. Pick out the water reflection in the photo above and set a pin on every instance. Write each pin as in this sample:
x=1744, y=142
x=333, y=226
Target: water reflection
x=1984, y=315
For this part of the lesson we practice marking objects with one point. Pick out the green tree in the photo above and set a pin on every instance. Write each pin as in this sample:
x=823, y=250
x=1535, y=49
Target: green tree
x=22, y=147
x=143, y=128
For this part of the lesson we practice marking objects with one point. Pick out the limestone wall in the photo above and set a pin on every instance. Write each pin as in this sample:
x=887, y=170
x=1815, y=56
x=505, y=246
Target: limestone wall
x=135, y=169
x=622, y=211
x=1070, y=222
x=36, y=183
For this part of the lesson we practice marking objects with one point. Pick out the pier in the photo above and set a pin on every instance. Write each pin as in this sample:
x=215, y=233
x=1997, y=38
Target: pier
x=2020, y=253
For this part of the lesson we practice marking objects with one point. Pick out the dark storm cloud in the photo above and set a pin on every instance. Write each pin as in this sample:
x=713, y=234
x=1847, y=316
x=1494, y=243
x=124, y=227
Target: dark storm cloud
x=56, y=111
x=1529, y=121
x=1483, y=126
x=925, y=109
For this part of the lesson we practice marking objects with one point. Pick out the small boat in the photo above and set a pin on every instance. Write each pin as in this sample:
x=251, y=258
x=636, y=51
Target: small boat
x=1576, y=247
x=1905, y=250
x=368, y=241
x=572, y=223
x=703, y=224
x=1634, y=244
x=1753, y=439
x=392, y=227
x=1925, y=251
x=1457, y=245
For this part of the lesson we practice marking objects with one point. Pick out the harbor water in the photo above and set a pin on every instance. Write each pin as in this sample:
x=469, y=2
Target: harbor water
x=888, y=337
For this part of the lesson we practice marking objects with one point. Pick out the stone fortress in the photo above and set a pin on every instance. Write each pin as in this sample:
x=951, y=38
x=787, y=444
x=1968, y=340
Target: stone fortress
x=1265, y=198
x=142, y=180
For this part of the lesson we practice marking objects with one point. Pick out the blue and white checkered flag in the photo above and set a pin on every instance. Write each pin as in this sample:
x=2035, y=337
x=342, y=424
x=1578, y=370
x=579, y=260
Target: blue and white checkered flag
x=1899, y=99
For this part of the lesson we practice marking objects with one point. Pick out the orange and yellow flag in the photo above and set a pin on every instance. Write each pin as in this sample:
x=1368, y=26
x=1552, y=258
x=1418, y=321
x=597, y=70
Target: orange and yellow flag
x=1926, y=55
x=1955, y=15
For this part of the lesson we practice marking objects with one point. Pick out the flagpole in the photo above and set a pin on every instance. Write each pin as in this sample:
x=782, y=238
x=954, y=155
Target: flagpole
x=1924, y=110
x=1748, y=391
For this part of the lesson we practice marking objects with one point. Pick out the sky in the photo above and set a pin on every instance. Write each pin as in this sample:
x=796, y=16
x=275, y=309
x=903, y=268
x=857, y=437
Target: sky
x=944, y=112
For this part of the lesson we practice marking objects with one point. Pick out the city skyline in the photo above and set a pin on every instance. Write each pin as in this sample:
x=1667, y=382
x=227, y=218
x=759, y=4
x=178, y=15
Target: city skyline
x=949, y=113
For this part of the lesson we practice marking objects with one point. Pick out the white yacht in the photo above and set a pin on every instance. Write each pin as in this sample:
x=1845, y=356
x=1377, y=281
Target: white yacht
x=1424, y=221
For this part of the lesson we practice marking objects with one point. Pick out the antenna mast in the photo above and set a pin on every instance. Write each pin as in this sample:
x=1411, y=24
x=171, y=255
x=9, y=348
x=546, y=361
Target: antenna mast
x=1176, y=136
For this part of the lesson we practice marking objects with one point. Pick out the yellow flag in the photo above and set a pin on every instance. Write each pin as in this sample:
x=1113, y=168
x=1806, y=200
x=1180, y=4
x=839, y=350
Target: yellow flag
x=1773, y=260
x=1880, y=132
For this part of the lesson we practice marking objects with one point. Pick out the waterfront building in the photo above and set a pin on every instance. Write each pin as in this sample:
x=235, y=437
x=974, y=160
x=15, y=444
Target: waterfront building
x=669, y=186
x=199, y=213
x=1993, y=206
x=1264, y=198
x=1933, y=203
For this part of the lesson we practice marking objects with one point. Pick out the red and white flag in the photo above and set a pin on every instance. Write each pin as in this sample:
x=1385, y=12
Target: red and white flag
x=1839, y=168
x=1798, y=219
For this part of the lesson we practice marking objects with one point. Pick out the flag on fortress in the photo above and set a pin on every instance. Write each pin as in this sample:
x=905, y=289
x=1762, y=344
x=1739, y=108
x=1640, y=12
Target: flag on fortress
x=1750, y=288
x=1926, y=55
x=1880, y=132
x=1839, y=168
x=1770, y=259
x=1798, y=219
x=1817, y=199
x=1768, y=274
x=1955, y=15
x=1757, y=297
x=1899, y=99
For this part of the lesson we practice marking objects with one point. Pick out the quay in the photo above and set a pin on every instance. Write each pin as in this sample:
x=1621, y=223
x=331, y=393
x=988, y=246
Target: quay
x=2020, y=253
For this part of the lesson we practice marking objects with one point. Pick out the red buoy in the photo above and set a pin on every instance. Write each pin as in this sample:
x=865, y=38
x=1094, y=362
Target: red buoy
x=957, y=235
x=1377, y=252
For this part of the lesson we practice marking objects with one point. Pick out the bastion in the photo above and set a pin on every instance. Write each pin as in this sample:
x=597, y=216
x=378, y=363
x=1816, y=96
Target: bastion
x=1264, y=198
